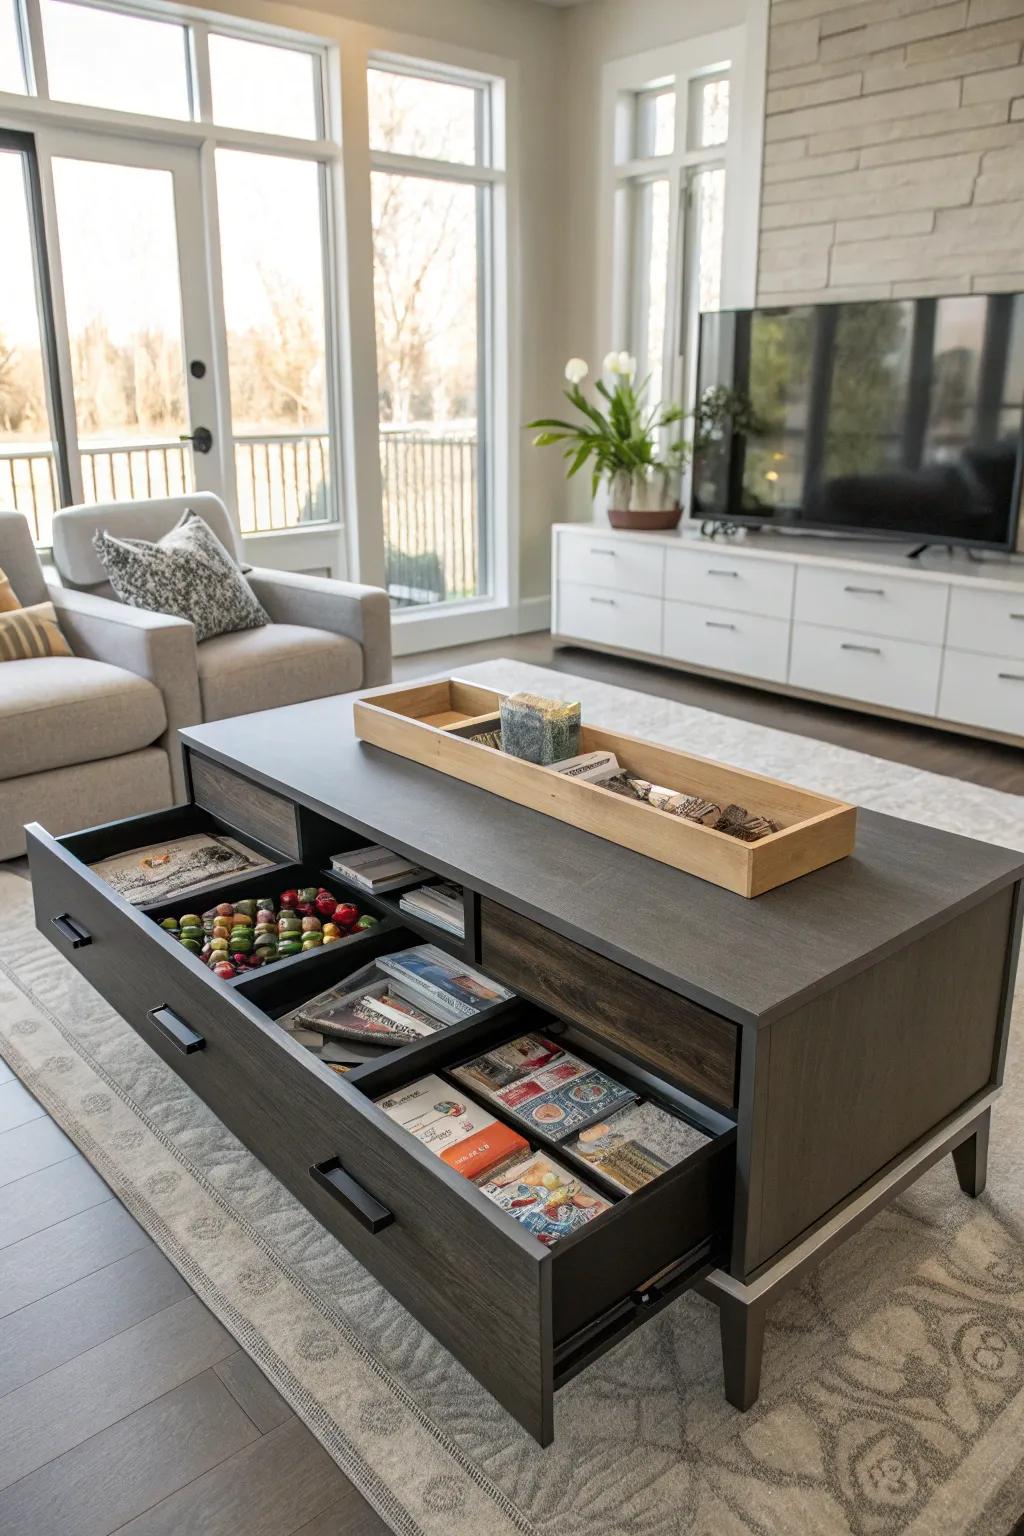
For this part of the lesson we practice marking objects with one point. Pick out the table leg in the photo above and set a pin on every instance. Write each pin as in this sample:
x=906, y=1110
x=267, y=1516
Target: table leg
x=971, y=1158
x=741, y=1325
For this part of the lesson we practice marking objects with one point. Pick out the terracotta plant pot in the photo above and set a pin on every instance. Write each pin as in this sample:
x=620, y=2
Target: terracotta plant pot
x=645, y=522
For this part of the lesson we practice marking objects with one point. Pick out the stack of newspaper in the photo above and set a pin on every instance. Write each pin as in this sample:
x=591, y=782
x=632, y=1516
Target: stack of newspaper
x=439, y=984
x=376, y=868
x=439, y=904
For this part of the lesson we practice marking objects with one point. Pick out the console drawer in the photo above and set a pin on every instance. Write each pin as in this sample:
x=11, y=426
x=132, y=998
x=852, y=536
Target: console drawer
x=895, y=607
x=728, y=641
x=520, y=1317
x=900, y=674
x=687, y=1043
x=624, y=565
x=990, y=622
x=609, y=617
x=983, y=690
x=718, y=579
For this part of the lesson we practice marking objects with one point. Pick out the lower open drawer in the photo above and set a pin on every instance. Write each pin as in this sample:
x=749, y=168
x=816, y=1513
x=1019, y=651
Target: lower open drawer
x=520, y=1316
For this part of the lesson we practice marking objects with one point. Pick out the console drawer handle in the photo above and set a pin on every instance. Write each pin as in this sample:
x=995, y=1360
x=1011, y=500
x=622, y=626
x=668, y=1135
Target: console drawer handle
x=610, y=601
x=717, y=624
x=367, y=1211
x=1017, y=616
x=71, y=931
x=1012, y=677
x=867, y=591
x=180, y=1034
x=869, y=650
x=595, y=551
x=713, y=572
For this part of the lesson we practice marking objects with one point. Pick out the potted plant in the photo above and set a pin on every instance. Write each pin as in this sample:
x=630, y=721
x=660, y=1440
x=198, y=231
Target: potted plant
x=621, y=438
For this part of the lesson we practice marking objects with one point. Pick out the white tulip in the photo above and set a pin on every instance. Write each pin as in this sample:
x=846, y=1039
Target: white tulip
x=611, y=362
x=627, y=365
x=576, y=370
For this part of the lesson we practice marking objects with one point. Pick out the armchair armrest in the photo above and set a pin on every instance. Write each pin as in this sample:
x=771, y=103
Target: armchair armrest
x=156, y=646
x=342, y=607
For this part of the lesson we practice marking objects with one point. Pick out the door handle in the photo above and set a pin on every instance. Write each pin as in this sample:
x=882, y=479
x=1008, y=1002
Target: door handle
x=201, y=439
x=181, y=1035
x=71, y=932
x=369, y=1212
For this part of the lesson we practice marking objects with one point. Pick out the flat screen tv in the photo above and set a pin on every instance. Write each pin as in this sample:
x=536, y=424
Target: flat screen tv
x=897, y=417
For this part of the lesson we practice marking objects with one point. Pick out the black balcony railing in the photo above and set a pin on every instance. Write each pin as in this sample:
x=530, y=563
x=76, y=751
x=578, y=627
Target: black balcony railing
x=429, y=481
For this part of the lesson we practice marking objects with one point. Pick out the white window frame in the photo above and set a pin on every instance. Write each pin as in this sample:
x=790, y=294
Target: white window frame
x=740, y=53
x=429, y=626
x=320, y=545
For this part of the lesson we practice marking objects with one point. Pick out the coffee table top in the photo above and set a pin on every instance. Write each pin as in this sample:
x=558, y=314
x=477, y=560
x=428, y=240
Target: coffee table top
x=750, y=960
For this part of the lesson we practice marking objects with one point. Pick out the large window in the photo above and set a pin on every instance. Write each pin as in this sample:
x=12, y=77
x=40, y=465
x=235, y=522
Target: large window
x=433, y=185
x=32, y=467
x=178, y=374
x=671, y=146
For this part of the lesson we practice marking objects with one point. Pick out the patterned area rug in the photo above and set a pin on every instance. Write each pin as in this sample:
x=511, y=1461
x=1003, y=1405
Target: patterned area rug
x=893, y=1394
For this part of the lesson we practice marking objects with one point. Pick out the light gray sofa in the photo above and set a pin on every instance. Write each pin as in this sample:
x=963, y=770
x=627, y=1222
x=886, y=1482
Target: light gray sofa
x=84, y=738
x=325, y=636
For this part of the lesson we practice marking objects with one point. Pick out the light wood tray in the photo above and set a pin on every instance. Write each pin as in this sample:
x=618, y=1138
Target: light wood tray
x=417, y=722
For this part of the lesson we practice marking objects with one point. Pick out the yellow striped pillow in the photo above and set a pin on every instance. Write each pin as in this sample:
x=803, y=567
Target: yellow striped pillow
x=26, y=633
x=8, y=599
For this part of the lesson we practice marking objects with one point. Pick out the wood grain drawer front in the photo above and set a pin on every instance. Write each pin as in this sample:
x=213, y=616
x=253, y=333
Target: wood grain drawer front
x=609, y=617
x=620, y=564
x=250, y=808
x=900, y=674
x=728, y=641
x=890, y=606
x=473, y=1278
x=987, y=691
x=989, y=622
x=718, y=580
x=672, y=1036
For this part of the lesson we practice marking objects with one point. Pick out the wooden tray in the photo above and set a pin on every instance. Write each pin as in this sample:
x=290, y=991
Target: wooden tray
x=418, y=721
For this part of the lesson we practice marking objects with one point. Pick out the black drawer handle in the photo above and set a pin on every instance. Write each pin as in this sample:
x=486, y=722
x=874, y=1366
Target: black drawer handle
x=715, y=624
x=1011, y=677
x=711, y=571
x=867, y=591
x=868, y=650
x=181, y=1036
x=73, y=933
x=367, y=1211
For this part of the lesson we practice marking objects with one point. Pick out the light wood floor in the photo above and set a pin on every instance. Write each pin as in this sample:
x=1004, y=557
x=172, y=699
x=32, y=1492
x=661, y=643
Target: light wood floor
x=124, y=1406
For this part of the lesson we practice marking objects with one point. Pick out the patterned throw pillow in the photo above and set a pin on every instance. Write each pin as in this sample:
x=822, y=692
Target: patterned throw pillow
x=187, y=573
x=26, y=633
x=8, y=601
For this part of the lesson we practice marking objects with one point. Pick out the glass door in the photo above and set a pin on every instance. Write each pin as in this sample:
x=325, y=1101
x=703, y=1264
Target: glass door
x=33, y=464
x=130, y=261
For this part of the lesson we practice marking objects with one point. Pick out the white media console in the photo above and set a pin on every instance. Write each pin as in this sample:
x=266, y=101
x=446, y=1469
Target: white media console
x=939, y=639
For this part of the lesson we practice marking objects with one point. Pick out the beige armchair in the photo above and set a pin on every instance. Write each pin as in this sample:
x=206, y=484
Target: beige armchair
x=325, y=636
x=85, y=738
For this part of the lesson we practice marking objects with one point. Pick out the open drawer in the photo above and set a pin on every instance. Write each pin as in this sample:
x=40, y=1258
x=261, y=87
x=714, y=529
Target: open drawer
x=521, y=1317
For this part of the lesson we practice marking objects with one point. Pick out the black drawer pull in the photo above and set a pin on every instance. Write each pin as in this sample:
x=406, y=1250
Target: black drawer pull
x=1011, y=677
x=867, y=591
x=367, y=1211
x=713, y=572
x=73, y=933
x=715, y=624
x=868, y=650
x=181, y=1036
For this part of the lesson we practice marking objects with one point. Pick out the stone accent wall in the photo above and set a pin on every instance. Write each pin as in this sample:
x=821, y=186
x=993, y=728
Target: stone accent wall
x=894, y=149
